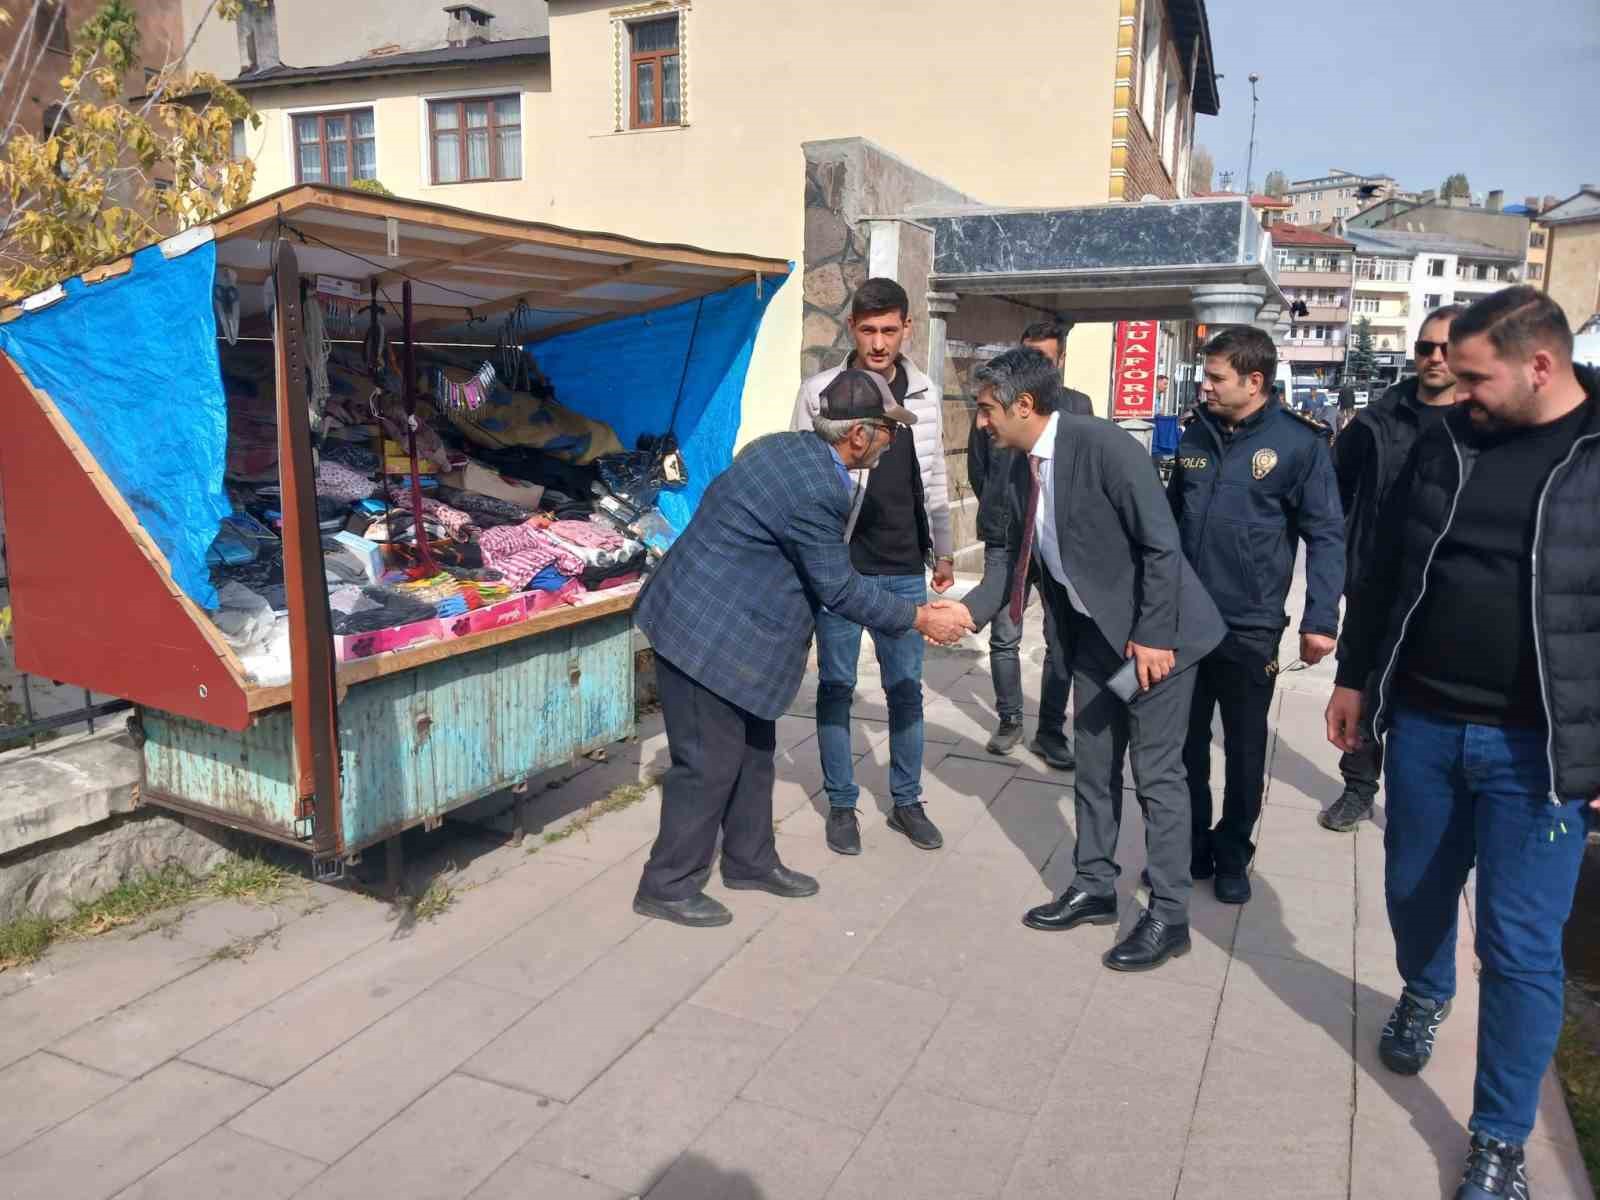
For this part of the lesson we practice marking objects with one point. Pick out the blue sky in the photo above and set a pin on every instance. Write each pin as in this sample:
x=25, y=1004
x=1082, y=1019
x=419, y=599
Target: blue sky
x=1506, y=92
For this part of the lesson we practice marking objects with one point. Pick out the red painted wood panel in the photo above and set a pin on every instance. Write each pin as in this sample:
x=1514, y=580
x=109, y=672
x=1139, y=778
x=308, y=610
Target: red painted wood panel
x=88, y=607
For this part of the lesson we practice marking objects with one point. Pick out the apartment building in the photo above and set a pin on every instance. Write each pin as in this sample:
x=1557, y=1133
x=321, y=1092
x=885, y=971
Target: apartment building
x=1314, y=271
x=1401, y=277
x=1335, y=196
x=1491, y=222
x=674, y=120
x=37, y=44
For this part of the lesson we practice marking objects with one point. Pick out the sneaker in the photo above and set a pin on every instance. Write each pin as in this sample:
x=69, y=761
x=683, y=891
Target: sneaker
x=1345, y=813
x=1005, y=738
x=1493, y=1168
x=1057, y=754
x=911, y=820
x=844, y=831
x=1407, y=1041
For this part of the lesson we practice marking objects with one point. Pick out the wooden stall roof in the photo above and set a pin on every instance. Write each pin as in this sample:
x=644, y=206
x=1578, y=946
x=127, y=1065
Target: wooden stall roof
x=467, y=269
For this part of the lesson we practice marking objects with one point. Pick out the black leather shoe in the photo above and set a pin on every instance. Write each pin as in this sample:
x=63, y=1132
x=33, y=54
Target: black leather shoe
x=911, y=820
x=1232, y=889
x=699, y=910
x=1005, y=738
x=1493, y=1169
x=1150, y=944
x=1056, y=753
x=1073, y=909
x=844, y=831
x=780, y=881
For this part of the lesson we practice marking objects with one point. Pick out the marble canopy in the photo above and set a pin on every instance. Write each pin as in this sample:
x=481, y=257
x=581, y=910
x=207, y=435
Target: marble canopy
x=1207, y=260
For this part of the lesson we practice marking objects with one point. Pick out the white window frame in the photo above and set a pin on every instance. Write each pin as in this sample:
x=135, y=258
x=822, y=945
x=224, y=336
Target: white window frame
x=621, y=57
x=425, y=134
x=1151, y=27
x=1171, y=112
x=309, y=110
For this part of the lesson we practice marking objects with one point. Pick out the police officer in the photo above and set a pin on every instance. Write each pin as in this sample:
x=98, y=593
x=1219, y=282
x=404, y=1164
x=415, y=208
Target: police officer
x=1252, y=476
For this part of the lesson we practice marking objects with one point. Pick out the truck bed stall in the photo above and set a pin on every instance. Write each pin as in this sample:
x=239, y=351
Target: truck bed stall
x=156, y=406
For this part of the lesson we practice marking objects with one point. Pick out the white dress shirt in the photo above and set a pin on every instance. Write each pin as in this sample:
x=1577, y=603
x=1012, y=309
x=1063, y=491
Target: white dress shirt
x=1046, y=545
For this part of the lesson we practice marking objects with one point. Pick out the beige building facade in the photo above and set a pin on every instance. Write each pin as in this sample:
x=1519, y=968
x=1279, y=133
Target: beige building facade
x=674, y=120
x=1572, y=255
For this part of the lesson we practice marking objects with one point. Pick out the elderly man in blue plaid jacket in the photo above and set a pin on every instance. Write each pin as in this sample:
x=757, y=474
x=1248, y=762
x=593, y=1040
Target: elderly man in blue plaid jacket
x=730, y=613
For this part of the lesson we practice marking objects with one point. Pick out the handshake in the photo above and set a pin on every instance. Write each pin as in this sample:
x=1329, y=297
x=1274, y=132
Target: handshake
x=943, y=622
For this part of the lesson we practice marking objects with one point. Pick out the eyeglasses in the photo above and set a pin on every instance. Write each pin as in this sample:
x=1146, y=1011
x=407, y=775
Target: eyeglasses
x=1426, y=349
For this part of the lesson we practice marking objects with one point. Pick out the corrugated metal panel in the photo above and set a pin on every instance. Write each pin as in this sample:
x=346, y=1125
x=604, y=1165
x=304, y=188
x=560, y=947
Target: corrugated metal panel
x=417, y=744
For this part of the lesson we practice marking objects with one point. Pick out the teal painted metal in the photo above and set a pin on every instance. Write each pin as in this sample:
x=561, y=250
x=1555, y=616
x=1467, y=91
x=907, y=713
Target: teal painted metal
x=416, y=744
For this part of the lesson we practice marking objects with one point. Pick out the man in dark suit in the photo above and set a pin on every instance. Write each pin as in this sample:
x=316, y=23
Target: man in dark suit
x=1088, y=502
x=730, y=613
x=988, y=468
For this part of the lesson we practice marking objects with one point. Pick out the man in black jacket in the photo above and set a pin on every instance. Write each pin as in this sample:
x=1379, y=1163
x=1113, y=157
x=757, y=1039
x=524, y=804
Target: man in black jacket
x=1251, y=479
x=1367, y=458
x=1476, y=630
x=988, y=467
x=1086, y=500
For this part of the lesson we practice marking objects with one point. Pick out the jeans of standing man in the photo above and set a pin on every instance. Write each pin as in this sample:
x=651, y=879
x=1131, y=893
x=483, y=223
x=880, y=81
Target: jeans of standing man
x=900, y=664
x=1238, y=677
x=1363, y=768
x=1461, y=794
x=1005, y=664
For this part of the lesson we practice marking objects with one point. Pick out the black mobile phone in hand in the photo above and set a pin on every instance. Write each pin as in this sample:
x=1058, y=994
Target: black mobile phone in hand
x=1124, y=684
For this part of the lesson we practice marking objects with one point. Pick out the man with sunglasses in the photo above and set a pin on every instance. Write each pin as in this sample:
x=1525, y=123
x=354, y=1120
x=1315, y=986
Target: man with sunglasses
x=1251, y=480
x=1367, y=459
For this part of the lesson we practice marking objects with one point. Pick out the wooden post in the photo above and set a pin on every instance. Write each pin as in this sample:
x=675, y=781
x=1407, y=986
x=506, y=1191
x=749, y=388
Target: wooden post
x=314, y=706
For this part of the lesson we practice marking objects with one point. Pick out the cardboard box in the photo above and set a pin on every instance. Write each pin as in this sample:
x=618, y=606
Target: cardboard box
x=492, y=616
x=352, y=646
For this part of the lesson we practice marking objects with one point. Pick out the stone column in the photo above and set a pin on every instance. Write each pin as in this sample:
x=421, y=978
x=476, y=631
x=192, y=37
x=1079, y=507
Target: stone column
x=941, y=307
x=1227, y=303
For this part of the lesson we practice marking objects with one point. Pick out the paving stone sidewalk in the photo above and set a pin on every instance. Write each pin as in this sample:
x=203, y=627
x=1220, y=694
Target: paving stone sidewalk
x=900, y=1035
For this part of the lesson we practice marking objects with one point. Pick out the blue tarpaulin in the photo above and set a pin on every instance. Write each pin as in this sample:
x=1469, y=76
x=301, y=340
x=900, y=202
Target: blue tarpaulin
x=1167, y=436
x=627, y=373
x=131, y=363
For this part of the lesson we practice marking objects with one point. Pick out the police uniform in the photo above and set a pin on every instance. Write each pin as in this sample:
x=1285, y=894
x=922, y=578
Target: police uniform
x=1243, y=497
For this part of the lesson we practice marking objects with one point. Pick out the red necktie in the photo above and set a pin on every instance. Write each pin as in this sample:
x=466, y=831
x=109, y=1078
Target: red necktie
x=1019, y=581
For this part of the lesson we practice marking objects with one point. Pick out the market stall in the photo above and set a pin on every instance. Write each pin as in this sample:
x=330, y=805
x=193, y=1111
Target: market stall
x=352, y=496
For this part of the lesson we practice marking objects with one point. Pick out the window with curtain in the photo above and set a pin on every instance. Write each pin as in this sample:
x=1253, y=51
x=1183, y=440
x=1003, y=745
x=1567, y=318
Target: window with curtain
x=335, y=147
x=475, y=140
x=653, y=80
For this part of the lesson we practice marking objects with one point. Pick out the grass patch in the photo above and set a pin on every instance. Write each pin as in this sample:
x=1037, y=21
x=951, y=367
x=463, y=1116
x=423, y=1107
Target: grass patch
x=619, y=798
x=26, y=939
x=434, y=902
x=1578, y=1062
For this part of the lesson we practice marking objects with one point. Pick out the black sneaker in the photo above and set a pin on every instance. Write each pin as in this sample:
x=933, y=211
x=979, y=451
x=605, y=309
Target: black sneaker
x=844, y=831
x=1407, y=1041
x=1057, y=754
x=1345, y=813
x=910, y=820
x=1005, y=738
x=1493, y=1169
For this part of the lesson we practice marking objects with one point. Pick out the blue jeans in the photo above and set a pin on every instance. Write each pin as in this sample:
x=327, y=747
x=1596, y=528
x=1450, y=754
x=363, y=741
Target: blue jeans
x=1005, y=663
x=1459, y=794
x=900, y=663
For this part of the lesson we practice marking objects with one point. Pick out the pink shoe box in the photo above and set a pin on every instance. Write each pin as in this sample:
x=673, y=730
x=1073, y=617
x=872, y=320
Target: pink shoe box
x=492, y=616
x=353, y=646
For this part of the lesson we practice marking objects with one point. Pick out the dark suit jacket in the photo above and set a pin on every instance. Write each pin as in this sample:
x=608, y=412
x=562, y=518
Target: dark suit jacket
x=1119, y=545
x=733, y=604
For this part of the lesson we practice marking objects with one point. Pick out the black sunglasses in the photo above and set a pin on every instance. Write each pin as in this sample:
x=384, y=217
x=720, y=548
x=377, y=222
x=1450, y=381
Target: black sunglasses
x=1426, y=349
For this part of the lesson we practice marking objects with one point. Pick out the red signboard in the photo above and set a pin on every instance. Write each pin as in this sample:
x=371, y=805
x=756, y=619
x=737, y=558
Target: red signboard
x=1133, y=379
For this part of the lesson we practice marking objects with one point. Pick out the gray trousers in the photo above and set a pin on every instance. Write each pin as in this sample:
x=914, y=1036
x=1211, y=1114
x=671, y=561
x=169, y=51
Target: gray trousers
x=1152, y=730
